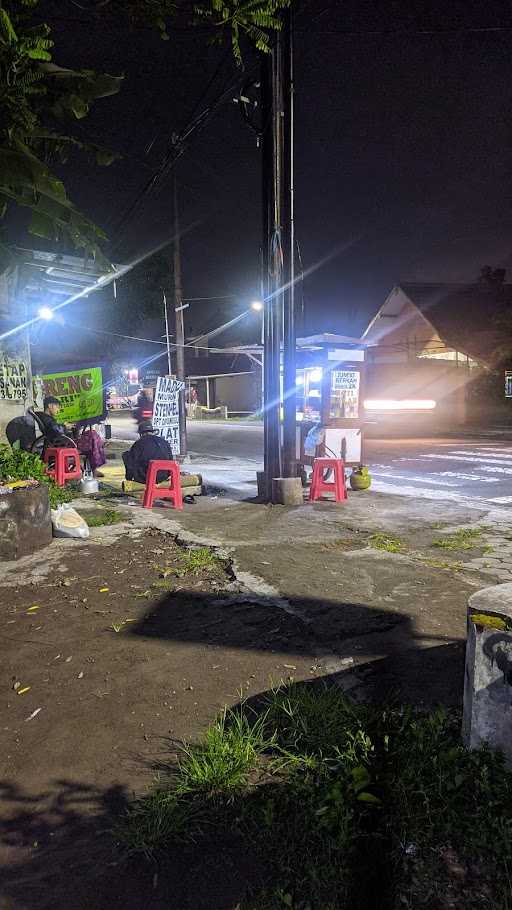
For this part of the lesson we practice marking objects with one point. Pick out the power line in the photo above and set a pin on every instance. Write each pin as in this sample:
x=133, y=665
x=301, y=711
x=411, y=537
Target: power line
x=176, y=150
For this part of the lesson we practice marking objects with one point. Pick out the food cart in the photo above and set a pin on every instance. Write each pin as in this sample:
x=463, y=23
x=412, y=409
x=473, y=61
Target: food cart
x=329, y=395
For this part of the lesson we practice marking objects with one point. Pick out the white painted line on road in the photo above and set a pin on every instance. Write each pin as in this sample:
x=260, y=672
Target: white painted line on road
x=382, y=487
x=472, y=477
x=414, y=477
x=450, y=457
x=488, y=455
x=495, y=469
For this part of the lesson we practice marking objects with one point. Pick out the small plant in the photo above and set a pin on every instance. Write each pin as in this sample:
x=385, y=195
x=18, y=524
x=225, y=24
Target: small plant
x=191, y=563
x=18, y=465
x=387, y=542
x=221, y=764
x=202, y=558
x=463, y=539
x=103, y=517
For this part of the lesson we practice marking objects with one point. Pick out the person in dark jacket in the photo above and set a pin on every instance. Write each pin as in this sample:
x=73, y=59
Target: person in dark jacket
x=149, y=447
x=53, y=430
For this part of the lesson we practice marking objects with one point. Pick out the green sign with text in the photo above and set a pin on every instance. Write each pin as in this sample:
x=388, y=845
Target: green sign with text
x=80, y=393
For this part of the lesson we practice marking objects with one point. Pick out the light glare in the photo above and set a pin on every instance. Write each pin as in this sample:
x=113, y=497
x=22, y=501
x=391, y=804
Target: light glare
x=45, y=313
x=403, y=404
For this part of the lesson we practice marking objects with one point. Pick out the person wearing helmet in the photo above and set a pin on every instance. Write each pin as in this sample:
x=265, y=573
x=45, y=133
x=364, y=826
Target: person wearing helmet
x=149, y=447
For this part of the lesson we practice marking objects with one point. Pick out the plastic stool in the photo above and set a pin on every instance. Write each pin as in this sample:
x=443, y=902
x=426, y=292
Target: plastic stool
x=66, y=464
x=319, y=485
x=172, y=492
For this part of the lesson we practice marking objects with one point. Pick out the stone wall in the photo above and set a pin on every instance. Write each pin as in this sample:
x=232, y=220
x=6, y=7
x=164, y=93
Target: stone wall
x=25, y=522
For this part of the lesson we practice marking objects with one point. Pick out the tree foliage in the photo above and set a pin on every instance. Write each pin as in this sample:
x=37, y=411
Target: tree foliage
x=40, y=100
x=36, y=98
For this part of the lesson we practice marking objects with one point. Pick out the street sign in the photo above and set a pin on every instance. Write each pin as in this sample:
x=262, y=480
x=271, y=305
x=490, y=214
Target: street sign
x=508, y=383
x=149, y=376
x=166, y=411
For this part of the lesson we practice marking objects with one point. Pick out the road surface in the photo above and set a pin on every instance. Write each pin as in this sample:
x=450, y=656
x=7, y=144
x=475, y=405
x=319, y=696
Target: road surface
x=465, y=470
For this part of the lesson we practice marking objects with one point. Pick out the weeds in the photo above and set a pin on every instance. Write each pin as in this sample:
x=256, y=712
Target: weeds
x=463, y=539
x=192, y=562
x=338, y=802
x=221, y=764
x=442, y=564
x=103, y=517
x=387, y=542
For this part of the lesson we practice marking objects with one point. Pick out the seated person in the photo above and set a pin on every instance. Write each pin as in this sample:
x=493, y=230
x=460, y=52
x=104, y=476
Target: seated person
x=21, y=432
x=54, y=432
x=149, y=447
x=91, y=445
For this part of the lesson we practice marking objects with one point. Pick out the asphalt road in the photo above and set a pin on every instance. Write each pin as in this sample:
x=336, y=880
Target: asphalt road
x=461, y=469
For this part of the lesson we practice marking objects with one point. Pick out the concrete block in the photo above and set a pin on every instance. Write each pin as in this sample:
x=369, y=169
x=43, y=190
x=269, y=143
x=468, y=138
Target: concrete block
x=287, y=491
x=25, y=522
x=488, y=676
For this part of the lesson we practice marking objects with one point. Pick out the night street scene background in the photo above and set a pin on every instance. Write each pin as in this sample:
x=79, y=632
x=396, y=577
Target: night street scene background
x=255, y=455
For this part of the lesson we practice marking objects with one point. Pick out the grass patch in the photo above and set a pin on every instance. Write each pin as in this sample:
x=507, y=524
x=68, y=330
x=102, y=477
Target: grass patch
x=103, y=517
x=464, y=539
x=442, y=564
x=387, y=542
x=191, y=562
x=339, y=802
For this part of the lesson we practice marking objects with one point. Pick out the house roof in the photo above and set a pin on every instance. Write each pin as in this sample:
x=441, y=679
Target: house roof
x=465, y=316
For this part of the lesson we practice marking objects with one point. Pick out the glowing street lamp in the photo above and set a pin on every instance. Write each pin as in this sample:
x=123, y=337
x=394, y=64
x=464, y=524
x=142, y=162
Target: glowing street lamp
x=257, y=306
x=45, y=312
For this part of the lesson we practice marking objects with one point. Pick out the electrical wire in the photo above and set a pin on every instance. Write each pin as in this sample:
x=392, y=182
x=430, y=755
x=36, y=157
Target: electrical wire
x=175, y=151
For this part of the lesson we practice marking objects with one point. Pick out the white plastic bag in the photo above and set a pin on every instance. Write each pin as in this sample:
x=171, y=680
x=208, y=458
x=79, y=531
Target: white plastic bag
x=66, y=522
x=314, y=438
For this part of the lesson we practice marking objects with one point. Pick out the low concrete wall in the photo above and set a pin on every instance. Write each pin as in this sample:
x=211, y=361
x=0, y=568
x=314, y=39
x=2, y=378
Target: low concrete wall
x=25, y=522
x=488, y=678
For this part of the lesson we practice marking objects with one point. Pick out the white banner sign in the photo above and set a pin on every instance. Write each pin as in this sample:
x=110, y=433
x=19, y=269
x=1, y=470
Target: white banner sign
x=166, y=411
x=508, y=383
x=346, y=380
x=13, y=380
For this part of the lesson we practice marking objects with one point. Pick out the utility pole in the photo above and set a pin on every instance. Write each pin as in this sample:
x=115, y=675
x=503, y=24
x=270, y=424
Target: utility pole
x=289, y=330
x=178, y=315
x=272, y=261
x=277, y=259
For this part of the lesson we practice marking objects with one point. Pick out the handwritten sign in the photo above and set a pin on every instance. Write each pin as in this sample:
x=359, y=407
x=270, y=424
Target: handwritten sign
x=166, y=411
x=347, y=380
x=13, y=380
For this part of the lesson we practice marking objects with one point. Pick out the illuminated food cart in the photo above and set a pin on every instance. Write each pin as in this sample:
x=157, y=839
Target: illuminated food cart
x=330, y=382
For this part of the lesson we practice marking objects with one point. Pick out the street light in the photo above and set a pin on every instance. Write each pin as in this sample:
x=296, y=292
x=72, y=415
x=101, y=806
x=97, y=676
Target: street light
x=257, y=306
x=45, y=313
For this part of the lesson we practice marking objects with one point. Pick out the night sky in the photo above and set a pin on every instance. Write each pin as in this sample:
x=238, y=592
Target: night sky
x=403, y=152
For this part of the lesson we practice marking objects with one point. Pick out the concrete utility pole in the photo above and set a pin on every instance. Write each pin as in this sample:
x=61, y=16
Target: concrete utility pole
x=277, y=259
x=289, y=332
x=178, y=315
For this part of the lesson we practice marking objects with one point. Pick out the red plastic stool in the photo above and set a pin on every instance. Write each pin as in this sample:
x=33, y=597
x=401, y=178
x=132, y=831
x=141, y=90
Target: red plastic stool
x=319, y=485
x=66, y=465
x=172, y=492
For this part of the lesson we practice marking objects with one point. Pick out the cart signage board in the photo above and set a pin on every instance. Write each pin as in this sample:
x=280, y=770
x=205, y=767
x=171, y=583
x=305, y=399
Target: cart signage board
x=508, y=383
x=345, y=380
x=166, y=410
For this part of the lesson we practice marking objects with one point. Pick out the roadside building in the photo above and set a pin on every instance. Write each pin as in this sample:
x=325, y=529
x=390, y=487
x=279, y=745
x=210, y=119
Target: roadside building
x=427, y=345
x=34, y=279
